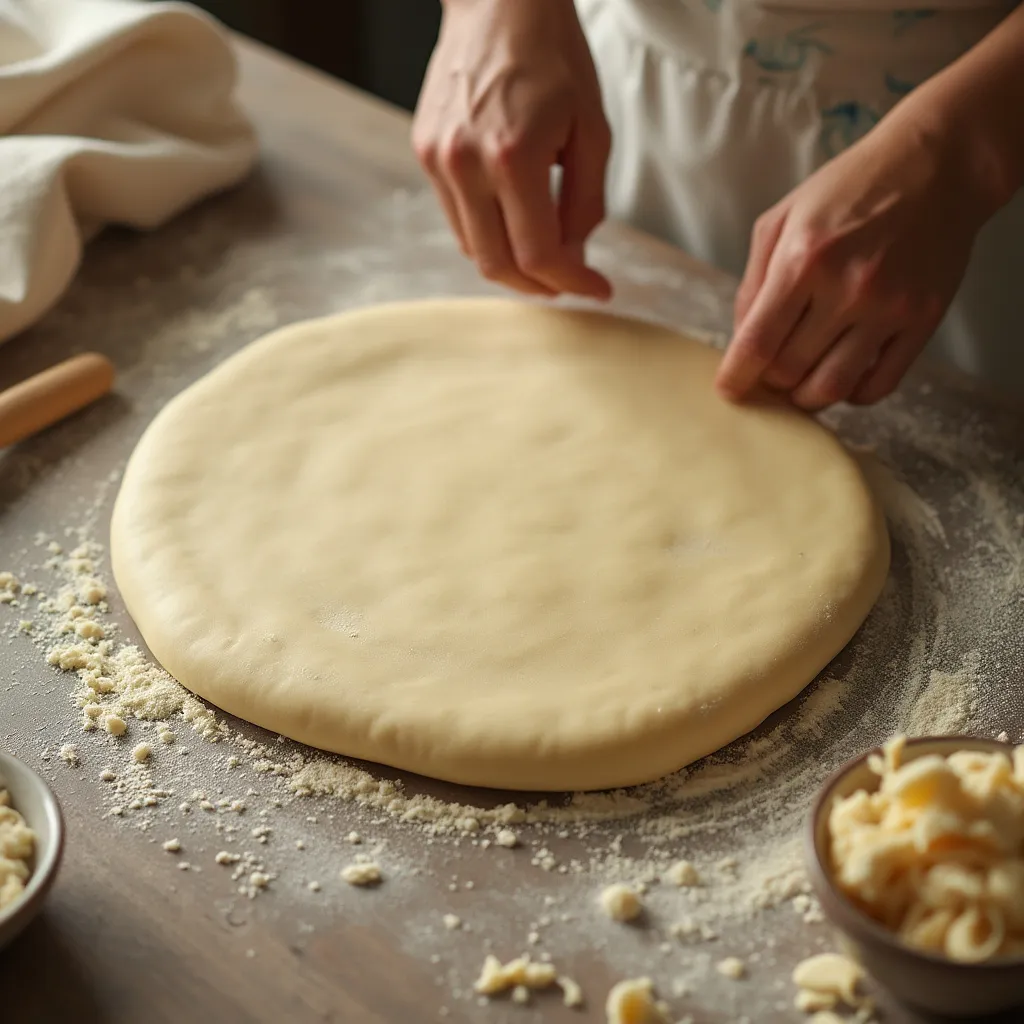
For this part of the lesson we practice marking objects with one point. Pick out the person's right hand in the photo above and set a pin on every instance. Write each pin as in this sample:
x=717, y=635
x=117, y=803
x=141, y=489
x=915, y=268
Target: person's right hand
x=511, y=91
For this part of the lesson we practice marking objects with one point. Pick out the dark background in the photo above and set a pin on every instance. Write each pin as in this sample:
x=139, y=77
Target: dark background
x=381, y=46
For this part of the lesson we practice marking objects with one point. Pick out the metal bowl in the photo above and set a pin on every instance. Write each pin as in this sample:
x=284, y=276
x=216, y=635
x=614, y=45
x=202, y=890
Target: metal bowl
x=926, y=981
x=35, y=802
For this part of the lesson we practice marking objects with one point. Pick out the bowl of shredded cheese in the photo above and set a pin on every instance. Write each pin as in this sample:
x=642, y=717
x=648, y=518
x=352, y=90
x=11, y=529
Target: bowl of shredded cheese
x=31, y=845
x=916, y=852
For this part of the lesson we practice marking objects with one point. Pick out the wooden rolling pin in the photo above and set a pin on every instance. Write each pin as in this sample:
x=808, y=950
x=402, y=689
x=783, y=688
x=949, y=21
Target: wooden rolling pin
x=49, y=396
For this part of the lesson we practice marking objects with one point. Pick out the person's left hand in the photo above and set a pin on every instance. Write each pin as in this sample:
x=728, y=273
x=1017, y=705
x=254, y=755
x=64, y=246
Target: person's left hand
x=850, y=274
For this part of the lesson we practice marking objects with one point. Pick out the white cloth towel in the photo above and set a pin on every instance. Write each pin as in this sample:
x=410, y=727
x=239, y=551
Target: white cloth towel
x=111, y=112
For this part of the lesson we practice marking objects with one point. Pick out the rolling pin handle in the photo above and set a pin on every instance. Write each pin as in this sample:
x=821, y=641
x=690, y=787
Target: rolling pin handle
x=42, y=400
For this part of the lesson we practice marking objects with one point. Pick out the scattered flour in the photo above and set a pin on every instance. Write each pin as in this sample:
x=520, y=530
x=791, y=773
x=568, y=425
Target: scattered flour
x=639, y=832
x=934, y=657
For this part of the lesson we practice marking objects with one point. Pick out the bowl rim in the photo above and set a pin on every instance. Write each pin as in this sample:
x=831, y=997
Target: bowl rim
x=47, y=860
x=822, y=873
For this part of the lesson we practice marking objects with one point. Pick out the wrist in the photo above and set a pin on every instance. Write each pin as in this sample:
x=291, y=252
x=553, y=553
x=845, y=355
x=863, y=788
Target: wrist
x=970, y=148
x=516, y=16
x=975, y=106
x=987, y=146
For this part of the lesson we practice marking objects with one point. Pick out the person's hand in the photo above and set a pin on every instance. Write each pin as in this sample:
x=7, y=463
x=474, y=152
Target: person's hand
x=850, y=274
x=511, y=91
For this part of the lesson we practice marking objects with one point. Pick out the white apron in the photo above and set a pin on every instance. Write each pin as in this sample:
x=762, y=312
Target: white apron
x=720, y=107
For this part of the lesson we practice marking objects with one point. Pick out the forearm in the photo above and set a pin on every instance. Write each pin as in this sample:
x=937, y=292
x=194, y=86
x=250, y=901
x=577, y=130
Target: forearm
x=977, y=106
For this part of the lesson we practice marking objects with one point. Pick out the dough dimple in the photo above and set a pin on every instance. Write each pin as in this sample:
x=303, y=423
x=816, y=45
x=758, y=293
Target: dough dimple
x=497, y=543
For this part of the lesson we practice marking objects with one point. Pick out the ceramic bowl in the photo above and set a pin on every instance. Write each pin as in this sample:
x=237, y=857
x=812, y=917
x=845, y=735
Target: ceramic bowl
x=920, y=979
x=32, y=798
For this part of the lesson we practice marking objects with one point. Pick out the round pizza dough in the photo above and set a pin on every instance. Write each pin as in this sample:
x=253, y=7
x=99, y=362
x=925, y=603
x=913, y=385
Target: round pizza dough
x=493, y=542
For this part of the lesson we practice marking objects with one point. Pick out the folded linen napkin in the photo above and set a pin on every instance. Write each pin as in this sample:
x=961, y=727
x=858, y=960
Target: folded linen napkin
x=111, y=112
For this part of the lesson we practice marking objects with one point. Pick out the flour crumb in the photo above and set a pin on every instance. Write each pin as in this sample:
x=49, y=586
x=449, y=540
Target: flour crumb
x=89, y=629
x=621, y=903
x=313, y=886
x=452, y=922
x=91, y=591
x=69, y=754
x=362, y=873
x=683, y=874
x=115, y=725
x=172, y=846
x=141, y=752
x=731, y=967
x=9, y=587
x=107, y=775
x=632, y=1002
x=507, y=838
x=354, y=838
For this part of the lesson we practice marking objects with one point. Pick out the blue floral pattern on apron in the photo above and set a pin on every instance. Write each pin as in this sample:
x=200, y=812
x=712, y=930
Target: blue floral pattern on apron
x=845, y=123
x=789, y=52
x=811, y=47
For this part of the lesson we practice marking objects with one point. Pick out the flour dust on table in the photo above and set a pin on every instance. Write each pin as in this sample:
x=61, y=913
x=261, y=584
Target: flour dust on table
x=937, y=654
x=494, y=543
x=201, y=798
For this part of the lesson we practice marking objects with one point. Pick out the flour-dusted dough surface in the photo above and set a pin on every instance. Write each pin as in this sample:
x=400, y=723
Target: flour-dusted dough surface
x=492, y=542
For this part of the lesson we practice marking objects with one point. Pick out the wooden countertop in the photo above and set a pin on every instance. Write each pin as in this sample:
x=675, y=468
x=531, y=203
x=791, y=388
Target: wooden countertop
x=336, y=216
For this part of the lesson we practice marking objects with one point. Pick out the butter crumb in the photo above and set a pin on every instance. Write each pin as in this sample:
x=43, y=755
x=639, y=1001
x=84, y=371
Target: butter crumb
x=362, y=873
x=632, y=1002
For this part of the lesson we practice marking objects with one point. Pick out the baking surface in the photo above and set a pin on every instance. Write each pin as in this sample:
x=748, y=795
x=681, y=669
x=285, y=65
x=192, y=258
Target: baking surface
x=336, y=218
